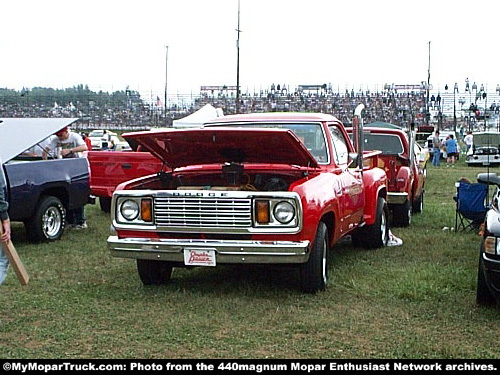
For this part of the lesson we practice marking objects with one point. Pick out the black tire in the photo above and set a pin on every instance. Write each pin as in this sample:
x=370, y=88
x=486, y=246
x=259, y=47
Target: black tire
x=154, y=272
x=105, y=204
x=418, y=205
x=376, y=235
x=48, y=222
x=314, y=273
x=401, y=214
x=483, y=293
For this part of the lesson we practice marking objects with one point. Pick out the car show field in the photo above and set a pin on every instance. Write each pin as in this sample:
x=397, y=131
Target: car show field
x=417, y=300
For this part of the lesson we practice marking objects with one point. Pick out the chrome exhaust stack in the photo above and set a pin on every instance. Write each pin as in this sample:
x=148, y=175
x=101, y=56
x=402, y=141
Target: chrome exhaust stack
x=358, y=135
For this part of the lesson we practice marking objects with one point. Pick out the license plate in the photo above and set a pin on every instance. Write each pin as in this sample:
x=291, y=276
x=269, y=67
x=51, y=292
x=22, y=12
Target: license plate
x=199, y=257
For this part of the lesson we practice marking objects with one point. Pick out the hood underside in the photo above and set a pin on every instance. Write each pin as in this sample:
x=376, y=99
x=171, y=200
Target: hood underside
x=19, y=134
x=218, y=145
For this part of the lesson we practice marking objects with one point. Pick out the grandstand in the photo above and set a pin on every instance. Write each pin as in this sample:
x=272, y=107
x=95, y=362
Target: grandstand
x=126, y=110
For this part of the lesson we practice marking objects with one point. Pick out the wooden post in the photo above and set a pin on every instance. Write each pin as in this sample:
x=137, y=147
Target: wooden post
x=14, y=260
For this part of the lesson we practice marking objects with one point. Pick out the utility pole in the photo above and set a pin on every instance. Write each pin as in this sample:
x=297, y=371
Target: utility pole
x=428, y=114
x=166, y=76
x=238, y=63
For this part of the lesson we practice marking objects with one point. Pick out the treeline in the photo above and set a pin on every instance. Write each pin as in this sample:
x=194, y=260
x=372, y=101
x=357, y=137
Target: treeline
x=80, y=96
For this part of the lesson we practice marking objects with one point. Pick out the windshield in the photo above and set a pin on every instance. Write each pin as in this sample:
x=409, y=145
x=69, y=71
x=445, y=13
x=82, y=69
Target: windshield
x=311, y=135
x=389, y=144
x=96, y=133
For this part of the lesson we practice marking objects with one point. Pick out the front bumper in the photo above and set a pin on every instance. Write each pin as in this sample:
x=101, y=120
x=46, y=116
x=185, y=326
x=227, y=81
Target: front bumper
x=227, y=251
x=483, y=160
x=492, y=274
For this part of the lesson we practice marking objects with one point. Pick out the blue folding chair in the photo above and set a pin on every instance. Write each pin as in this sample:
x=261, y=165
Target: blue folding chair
x=471, y=205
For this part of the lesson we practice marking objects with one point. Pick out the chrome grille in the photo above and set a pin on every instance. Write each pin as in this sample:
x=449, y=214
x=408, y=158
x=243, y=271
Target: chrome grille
x=203, y=212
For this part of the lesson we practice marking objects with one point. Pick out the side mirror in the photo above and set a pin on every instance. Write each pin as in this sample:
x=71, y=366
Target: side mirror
x=353, y=157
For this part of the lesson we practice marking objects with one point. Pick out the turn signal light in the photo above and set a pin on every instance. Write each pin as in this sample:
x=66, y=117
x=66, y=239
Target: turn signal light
x=262, y=209
x=490, y=245
x=146, y=210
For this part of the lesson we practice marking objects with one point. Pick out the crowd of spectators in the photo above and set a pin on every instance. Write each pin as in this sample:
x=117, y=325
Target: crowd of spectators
x=388, y=105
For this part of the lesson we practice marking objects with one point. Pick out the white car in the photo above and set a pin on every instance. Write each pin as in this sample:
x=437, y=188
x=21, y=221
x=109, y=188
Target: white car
x=100, y=138
x=485, y=149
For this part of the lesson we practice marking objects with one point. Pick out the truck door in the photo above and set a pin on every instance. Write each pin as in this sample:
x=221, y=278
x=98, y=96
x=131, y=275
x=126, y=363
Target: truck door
x=351, y=195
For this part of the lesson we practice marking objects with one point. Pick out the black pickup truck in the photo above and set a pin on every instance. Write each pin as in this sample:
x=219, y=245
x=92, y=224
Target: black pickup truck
x=40, y=191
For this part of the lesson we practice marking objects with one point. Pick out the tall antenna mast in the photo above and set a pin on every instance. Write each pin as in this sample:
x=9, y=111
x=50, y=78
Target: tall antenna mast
x=166, y=76
x=238, y=63
x=427, y=115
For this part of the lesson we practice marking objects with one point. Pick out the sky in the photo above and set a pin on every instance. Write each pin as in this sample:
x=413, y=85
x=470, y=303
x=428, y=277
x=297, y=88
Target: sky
x=111, y=45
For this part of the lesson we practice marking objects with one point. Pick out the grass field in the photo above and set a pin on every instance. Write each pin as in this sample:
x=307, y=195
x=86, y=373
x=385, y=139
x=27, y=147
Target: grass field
x=412, y=301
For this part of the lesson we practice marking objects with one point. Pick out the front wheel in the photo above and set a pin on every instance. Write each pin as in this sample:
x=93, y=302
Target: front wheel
x=47, y=224
x=154, y=272
x=483, y=294
x=314, y=273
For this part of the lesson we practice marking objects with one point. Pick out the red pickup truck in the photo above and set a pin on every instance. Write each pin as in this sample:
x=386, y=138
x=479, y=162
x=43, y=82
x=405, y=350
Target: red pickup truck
x=274, y=188
x=405, y=175
x=108, y=169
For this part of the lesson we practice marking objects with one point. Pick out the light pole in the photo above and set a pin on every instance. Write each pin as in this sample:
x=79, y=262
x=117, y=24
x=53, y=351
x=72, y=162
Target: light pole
x=427, y=114
x=238, y=63
x=484, y=95
x=455, y=89
x=166, y=76
x=461, y=101
x=496, y=109
x=472, y=109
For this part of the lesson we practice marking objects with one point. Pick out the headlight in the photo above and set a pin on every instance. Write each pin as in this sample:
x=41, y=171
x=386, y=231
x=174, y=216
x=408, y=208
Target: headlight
x=284, y=212
x=129, y=209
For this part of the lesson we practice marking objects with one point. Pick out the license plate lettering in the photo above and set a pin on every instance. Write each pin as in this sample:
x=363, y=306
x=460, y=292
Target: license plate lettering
x=199, y=257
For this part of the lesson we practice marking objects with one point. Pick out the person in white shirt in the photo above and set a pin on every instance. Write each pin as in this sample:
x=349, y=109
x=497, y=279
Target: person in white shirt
x=468, y=140
x=69, y=145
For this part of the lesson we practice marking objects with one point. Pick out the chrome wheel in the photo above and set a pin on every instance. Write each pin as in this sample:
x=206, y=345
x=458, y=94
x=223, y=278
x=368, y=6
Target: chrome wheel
x=52, y=222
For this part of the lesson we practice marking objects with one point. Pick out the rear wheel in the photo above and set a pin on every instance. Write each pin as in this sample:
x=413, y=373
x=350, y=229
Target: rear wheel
x=314, y=273
x=377, y=234
x=418, y=205
x=154, y=272
x=47, y=224
x=401, y=214
x=105, y=204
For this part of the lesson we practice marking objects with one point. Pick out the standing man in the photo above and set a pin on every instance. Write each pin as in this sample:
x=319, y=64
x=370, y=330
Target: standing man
x=5, y=222
x=71, y=145
x=436, y=149
x=468, y=139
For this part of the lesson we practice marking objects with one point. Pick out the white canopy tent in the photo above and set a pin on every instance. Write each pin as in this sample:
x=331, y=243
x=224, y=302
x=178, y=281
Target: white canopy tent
x=198, y=118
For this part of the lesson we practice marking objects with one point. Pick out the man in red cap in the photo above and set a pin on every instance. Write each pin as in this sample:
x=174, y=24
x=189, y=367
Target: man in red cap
x=67, y=144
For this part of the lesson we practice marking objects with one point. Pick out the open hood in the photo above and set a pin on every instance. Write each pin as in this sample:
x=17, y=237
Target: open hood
x=19, y=134
x=217, y=145
x=486, y=139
